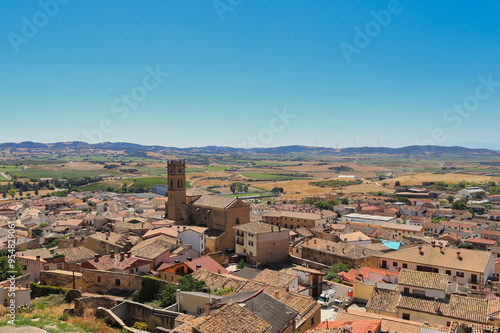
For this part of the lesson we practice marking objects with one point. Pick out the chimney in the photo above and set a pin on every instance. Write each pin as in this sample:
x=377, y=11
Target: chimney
x=458, y=255
x=129, y=254
x=189, y=259
x=207, y=309
x=198, y=266
x=112, y=254
x=122, y=256
x=96, y=258
x=433, y=243
x=314, y=241
x=489, y=248
x=420, y=249
x=277, y=294
x=37, y=258
x=442, y=248
x=177, y=261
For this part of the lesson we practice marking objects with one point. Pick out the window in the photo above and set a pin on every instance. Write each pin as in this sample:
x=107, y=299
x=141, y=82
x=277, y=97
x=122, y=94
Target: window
x=312, y=321
x=59, y=266
x=460, y=274
x=405, y=265
x=407, y=290
x=395, y=264
x=201, y=311
x=384, y=264
x=406, y=316
x=98, y=279
x=117, y=282
x=448, y=272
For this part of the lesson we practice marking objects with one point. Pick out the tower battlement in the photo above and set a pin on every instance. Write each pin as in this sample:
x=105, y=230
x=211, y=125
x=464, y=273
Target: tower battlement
x=176, y=163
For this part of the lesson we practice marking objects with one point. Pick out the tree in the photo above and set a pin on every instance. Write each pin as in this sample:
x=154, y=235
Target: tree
x=9, y=265
x=186, y=283
x=397, y=183
x=344, y=201
x=459, y=205
x=4, y=194
x=241, y=264
x=150, y=286
x=43, y=225
x=334, y=269
x=450, y=198
x=36, y=190
x=20, y=191
x=12, y=193
x=467, y=246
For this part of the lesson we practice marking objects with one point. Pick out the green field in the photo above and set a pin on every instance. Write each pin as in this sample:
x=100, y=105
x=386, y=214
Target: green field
x=42, y=173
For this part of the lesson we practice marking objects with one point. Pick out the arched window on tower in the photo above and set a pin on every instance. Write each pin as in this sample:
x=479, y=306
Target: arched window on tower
x=178, y=183
x=171, y=184
x=237, y=221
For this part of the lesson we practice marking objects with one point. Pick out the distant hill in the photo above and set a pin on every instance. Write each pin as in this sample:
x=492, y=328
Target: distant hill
x=283, y=150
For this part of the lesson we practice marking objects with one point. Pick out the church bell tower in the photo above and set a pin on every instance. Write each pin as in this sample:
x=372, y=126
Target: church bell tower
x=176, y=190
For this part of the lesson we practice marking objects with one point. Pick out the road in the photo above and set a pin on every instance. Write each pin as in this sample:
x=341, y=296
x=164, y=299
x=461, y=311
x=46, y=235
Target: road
x=5, y=176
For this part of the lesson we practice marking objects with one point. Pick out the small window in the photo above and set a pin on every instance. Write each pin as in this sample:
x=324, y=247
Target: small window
x=407, y=290
x=98, y=279
x=405, y=265
x=448, y=272
x=406, y=316
x=395, y=264
x=312, y=321
x=460, y=274
x=117, y=282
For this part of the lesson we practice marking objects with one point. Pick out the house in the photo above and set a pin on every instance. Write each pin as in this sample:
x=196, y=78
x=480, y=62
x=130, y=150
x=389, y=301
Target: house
x=270, y=309
x=462, y=266
x=494, y=215
x=384, y=302
x=171, y=272
x=491, y=234
x=427, y=284
x=262, y=243
x=328, y=253
x=32, y=266
x=451, y=238
x=433, y=229
x=364, y=274
x=292, y=219
x=352, y=326
x=403, y=229
x=470, y=192
x=307, y=307
x=75, y=255
x=239, y=318
x=368, y=219
x=278, y=279
x=156, y=249
x=122, y=262
x=481, y=243
x=356, y=238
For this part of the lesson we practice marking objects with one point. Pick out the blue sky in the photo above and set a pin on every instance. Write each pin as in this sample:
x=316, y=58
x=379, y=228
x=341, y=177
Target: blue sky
x=233, y=65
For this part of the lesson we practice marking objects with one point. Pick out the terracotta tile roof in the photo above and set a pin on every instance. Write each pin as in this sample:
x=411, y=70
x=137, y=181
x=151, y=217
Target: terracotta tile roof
x=298, y=215
x=106, y=263
x=475, y=240
x=354, y=326
x=207, y=263
x=76, y=254
x=460, y=307
x=470, y=260
x=493, y=306
x=154, y=247
x=214, y=201
x=232, y=318
x=196, y=191
x=490, y=232
x=259, y=228
x=425, y=280
x=388, y=324
x=383, y=300
x=354, y=237
x=274, y=278
x=340, y=249
x=216, y=281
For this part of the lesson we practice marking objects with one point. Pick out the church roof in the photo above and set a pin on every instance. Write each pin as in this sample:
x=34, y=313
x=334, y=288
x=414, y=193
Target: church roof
x=214, y=201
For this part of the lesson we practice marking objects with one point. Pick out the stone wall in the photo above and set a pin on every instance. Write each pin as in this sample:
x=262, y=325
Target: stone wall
x=137, y=312
x=59, y=278
x=92, y=303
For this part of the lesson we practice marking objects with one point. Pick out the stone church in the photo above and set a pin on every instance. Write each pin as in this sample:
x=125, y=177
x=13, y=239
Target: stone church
x=202, y=208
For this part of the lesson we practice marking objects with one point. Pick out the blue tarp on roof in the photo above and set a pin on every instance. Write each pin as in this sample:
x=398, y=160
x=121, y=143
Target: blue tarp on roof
x=393, y=245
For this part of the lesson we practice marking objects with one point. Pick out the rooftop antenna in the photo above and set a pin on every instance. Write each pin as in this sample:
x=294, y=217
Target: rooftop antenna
x=378, y=143
x=354, y=143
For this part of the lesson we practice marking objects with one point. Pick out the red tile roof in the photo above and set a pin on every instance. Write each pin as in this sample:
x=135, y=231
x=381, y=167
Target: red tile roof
x=355, y=326
x=481, y=241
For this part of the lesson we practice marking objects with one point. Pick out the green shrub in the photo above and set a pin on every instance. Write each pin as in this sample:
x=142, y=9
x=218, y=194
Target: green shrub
x=38, y=290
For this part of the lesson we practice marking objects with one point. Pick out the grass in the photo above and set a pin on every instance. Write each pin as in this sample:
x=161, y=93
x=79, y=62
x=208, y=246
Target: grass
x=44, y=173
x=48, y=315
x=241, y=195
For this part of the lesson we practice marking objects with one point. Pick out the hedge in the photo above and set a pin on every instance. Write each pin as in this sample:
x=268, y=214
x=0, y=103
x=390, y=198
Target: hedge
x=38, y=290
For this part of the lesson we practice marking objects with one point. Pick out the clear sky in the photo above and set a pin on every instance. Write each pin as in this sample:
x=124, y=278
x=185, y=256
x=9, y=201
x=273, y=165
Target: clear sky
x=251, y=73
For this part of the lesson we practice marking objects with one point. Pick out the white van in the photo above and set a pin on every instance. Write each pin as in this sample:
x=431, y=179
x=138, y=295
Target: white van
x=327, y=297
